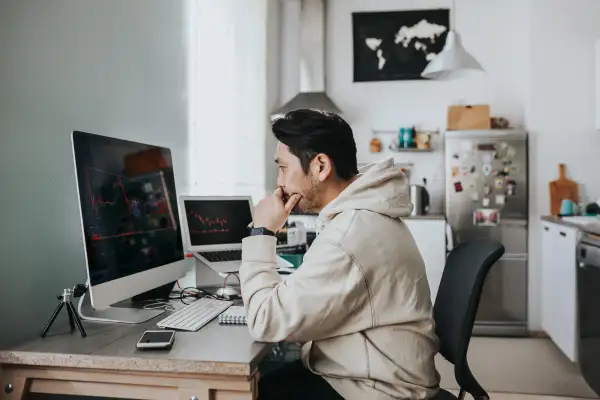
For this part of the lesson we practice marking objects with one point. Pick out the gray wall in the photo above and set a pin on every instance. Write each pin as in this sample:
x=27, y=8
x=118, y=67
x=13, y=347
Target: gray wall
x=112, y=67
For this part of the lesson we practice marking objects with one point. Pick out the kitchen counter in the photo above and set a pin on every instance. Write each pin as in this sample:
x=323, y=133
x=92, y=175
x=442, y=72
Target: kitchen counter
x=584, y=224
x=428, y=216
x=560, y=221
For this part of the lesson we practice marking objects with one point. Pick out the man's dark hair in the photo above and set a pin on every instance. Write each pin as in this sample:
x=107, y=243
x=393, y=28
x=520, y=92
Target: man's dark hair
x=308, y=132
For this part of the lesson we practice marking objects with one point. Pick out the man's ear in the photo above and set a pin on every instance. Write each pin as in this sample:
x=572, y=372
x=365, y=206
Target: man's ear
x=322, y=167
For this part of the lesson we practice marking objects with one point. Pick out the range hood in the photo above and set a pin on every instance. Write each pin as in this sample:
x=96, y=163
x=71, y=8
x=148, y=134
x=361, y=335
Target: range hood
x=312, y=61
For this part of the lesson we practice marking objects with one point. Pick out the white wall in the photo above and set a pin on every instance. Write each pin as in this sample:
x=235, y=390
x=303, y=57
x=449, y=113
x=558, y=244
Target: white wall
x=232, y=89
x=560, y=112
x=110, y=67
x=234, y=73
x=495, y=32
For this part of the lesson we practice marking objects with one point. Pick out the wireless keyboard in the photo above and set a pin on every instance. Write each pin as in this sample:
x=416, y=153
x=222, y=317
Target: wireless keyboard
x=196, y=315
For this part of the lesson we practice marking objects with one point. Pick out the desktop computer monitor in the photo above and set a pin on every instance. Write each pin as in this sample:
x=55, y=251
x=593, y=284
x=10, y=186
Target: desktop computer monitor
x=215, y=223
x=130, y=221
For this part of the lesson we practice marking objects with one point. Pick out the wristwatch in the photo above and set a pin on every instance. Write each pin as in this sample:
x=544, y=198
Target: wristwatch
x=261, y=231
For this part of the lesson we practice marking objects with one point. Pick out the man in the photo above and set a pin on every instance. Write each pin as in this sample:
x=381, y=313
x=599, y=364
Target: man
x=360, y=302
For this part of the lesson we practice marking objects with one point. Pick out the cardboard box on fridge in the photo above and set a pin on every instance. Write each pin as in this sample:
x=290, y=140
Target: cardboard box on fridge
x=469, y=117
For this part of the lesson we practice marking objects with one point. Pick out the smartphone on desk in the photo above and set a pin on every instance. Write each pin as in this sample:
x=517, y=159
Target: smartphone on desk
x=156, y=340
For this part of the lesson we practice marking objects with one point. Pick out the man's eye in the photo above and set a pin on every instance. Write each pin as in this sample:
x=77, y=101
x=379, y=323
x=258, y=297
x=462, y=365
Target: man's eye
x=281, y=167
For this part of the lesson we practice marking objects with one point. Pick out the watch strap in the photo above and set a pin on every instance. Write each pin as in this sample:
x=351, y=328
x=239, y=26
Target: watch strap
x=261, y=231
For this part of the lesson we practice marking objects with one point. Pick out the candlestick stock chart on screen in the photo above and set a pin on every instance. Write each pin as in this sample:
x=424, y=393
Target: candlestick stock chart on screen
x=214, y=222
x=128, y=206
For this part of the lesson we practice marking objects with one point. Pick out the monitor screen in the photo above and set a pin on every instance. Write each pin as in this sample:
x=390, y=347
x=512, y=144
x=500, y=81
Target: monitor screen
x=214, y=222
x=128, y=206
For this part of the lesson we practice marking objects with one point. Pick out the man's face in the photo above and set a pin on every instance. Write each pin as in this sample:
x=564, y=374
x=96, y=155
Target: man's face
x=293, y=180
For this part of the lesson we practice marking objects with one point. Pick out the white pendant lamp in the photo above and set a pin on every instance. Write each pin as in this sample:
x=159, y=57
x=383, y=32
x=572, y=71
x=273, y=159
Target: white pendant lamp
x=452, y=58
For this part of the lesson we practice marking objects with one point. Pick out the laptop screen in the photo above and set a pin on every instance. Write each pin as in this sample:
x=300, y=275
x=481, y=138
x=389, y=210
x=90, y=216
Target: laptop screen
x=217, y=222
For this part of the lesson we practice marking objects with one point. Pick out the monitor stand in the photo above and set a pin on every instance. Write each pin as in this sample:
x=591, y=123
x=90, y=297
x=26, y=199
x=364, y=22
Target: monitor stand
x=128, y=311
x=161, y=293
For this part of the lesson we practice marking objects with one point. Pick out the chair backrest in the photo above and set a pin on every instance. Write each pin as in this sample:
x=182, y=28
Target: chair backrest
x=457, y=302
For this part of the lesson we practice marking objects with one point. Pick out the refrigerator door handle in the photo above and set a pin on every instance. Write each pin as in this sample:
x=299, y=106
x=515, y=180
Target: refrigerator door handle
x=514, y=257
x=513, y=222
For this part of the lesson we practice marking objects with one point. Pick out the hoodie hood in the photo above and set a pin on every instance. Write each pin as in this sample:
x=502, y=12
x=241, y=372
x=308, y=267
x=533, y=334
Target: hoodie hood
x=381, y=187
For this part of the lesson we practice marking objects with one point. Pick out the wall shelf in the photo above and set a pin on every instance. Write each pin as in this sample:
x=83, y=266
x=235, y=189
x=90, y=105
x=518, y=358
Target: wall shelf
x=377, y=132
x=410, y=150
x=397, y=131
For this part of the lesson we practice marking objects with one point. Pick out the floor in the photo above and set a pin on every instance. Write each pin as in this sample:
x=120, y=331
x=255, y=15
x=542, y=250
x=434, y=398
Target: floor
x=516, y=396
x=520, y=369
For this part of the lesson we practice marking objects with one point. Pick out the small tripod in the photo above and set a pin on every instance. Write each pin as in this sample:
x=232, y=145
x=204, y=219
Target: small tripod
x=66, y=300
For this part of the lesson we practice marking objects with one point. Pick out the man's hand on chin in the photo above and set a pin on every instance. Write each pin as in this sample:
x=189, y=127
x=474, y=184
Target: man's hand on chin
x=272, y=212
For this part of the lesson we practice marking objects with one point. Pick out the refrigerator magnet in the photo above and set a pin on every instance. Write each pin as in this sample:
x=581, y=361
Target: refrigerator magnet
x=486, y=169
x=485, y=202
x=499, y=183
x=503, y=172
x=458, y=187
x=466, y=145
x=486, y=217
x=500, y=199
x=486, y=189
x=510, y=152
x=487, y=157
x=473, y=169
x=454, y=171
x=511, y=188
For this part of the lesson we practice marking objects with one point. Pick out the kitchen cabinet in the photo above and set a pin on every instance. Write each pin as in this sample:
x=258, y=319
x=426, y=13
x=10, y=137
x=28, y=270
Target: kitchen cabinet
x=559, y=286
x=430, y=237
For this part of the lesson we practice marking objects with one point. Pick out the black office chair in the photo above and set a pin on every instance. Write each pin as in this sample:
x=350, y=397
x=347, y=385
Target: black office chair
x=456, y=305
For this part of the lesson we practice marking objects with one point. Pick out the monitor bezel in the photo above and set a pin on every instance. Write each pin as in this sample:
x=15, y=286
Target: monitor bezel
x=105, y=294
x=185, y=228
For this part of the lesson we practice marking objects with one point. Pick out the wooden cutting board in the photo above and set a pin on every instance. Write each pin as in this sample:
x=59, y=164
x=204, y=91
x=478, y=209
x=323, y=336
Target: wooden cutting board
x=561, y=189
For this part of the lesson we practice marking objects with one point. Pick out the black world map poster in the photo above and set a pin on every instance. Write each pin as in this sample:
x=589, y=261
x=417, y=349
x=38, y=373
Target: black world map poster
x=397, y=45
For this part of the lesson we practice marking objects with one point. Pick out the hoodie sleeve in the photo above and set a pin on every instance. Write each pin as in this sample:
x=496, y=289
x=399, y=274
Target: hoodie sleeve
x=327, y=296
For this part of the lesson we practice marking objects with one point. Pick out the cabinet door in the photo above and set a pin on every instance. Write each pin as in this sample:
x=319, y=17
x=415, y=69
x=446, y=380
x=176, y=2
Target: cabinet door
x=430, y=237
x=548, y=271
x=565, y=284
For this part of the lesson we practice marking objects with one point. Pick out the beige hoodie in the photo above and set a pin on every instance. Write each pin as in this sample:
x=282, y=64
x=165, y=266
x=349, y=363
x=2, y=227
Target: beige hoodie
x=360, y=302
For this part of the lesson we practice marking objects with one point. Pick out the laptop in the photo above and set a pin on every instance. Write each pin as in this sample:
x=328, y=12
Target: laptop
x=215, y=226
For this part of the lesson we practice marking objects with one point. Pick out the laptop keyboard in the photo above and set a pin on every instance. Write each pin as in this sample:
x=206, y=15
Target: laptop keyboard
x=221, y=256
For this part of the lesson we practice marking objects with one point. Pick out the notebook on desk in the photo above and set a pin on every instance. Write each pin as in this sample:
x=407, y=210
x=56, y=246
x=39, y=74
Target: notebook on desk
x=233, y=315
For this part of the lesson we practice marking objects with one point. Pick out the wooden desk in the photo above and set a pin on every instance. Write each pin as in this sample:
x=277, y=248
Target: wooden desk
x=219, y=362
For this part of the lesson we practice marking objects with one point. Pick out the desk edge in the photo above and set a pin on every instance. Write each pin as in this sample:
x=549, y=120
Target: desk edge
x=84, y=361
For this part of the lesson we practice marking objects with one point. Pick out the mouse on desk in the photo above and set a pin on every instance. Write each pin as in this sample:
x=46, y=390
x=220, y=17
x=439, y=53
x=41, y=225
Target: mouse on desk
x=228, y=293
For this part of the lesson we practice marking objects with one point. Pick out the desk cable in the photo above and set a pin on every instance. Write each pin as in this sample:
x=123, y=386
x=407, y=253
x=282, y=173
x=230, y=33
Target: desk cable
x=227, y=277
